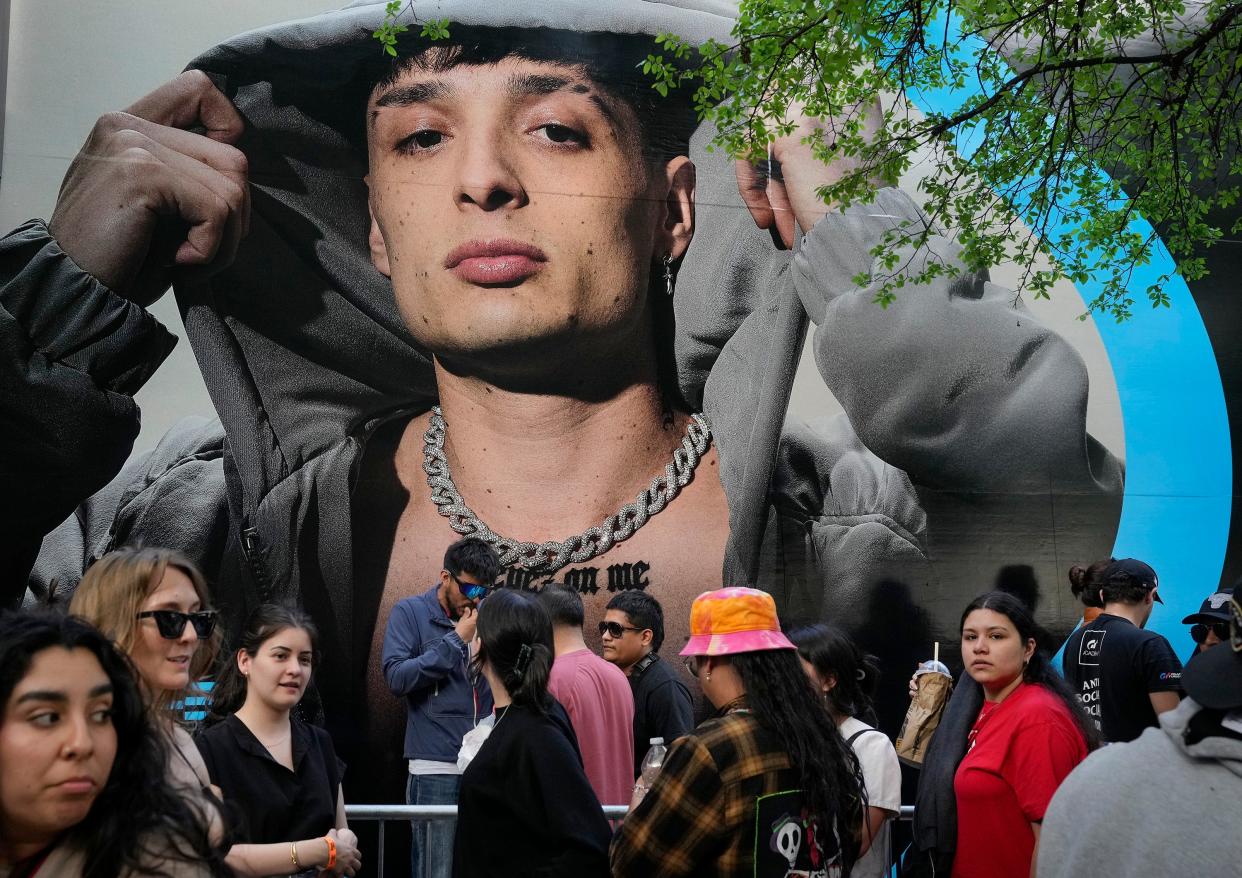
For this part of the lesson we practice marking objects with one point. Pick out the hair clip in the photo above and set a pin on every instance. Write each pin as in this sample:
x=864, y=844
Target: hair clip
x=523, y=660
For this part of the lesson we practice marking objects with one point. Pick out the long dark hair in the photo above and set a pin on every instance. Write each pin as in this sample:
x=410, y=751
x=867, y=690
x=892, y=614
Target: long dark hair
x=1039, y=669
x=1086, y=582
x=782, y=700
x=264, y=623
x=833, y=653
x=138, y=823
x=515, y=641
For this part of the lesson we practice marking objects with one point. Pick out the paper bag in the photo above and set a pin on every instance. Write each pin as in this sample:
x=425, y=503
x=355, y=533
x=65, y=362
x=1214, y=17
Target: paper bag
x=923, y=717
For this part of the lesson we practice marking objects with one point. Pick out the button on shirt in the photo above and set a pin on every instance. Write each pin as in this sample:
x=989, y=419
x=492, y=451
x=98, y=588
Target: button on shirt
x=264, y=801
x=426, y=663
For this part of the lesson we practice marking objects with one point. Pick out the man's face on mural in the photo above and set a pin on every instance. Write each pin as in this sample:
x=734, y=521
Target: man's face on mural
x=513, y=208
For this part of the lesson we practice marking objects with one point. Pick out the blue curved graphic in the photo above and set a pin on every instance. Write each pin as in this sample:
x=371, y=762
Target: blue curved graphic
x=1179, y=468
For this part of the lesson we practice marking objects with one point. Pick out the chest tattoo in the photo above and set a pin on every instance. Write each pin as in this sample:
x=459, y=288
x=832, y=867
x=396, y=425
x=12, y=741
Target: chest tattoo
x=585, y=580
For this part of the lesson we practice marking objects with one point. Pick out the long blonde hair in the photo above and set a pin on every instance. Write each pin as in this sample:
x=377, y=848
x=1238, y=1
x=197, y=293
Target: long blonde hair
x=113, y=591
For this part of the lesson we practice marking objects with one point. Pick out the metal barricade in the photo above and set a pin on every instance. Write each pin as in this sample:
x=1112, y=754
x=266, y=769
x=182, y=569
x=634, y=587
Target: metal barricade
x=384, y=813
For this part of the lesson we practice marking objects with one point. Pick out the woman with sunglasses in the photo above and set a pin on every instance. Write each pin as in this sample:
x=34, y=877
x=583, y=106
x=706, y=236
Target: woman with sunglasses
x=83, y=790
x=765, y=787
x=153, y=604
x=279, y=777
x=525, y=806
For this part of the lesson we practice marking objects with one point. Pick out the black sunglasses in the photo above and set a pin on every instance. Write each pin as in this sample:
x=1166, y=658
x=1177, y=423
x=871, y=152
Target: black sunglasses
x=1199, y=631
x=615, y=629
x=172, y=623
x=472, y=591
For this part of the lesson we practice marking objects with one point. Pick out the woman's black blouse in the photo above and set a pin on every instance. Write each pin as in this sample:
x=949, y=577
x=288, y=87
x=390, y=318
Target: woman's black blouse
x=264, y=802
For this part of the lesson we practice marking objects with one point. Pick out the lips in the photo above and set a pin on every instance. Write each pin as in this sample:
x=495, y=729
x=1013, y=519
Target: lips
x=496, y=262
x=78, y=786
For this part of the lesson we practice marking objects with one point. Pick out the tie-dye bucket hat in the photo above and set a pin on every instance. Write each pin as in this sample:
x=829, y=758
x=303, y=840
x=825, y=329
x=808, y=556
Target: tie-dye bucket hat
x=729, y=621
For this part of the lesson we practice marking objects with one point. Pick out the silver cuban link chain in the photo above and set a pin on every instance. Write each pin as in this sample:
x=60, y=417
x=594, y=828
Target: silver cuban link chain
x=552, y=556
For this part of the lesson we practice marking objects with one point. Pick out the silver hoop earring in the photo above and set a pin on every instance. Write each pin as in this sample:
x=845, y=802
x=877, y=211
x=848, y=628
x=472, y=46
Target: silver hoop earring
x=669, y=277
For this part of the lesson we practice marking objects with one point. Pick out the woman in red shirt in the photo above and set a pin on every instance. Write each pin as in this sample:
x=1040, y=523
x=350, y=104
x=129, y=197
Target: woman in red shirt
x=1029, y=734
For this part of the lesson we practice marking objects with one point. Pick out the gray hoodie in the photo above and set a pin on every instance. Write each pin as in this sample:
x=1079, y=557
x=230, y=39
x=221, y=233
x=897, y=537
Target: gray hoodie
x=963, y=448
x=1156, y=806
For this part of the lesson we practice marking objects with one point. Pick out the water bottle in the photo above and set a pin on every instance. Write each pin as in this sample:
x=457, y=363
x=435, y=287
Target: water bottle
x=653, y=760
x=650, y=768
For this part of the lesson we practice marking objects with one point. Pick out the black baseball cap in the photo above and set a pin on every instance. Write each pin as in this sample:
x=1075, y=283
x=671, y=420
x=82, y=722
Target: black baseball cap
x=1213, y=678
x=1215, y=608
x=1136, y=571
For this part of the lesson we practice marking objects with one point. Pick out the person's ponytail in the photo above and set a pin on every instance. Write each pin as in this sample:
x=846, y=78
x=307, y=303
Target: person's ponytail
x=528, y=682
x=834, y=655
x=515, y=642
x=1086, y=582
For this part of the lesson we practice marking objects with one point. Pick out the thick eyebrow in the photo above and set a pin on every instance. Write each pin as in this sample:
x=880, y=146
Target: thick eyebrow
x=414, y=93
x=519, y=85
x=540, y=84
x=411, y=95
x=61, y=697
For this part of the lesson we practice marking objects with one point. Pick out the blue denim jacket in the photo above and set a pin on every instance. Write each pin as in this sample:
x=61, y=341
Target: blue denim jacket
x=425, y=662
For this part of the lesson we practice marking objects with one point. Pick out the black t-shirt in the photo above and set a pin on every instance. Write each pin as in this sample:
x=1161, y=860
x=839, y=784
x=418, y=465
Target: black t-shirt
x=265, y=802
x=525, y=806
x=662, y=708
x=1112, y=665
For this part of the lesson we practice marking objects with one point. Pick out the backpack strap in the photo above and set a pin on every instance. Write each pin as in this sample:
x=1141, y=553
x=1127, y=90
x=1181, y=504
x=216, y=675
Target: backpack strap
x=852, y=738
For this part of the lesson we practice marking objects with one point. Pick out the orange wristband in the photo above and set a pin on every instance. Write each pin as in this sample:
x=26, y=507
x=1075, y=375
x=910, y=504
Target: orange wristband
x=331, y=852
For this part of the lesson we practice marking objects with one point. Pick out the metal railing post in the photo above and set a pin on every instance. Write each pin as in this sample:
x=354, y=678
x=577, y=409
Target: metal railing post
x=380, y=857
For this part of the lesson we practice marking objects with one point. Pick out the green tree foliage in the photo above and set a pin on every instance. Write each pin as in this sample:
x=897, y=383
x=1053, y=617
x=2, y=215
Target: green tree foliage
x=1144, y=90
x=1059, y=92
x=393, y=28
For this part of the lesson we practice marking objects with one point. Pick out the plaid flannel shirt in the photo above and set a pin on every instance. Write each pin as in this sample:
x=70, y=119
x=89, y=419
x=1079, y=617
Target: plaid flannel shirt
x=698, y=817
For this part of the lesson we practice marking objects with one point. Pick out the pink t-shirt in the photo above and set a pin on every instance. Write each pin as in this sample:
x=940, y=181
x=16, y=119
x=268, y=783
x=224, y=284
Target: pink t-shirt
x=597, y=697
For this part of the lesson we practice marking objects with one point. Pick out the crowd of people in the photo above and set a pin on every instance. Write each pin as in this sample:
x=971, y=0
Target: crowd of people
x=512, y=718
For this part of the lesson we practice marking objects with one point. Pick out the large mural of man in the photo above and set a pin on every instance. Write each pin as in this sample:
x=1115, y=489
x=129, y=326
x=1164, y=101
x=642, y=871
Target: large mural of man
x=498, y=286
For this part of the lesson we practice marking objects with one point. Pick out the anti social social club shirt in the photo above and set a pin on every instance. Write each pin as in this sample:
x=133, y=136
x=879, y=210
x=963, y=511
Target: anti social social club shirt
x=1112, y=665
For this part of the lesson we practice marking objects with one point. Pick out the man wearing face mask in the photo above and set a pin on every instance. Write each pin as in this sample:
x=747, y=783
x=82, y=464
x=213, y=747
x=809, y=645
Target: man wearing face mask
x=426, y=660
